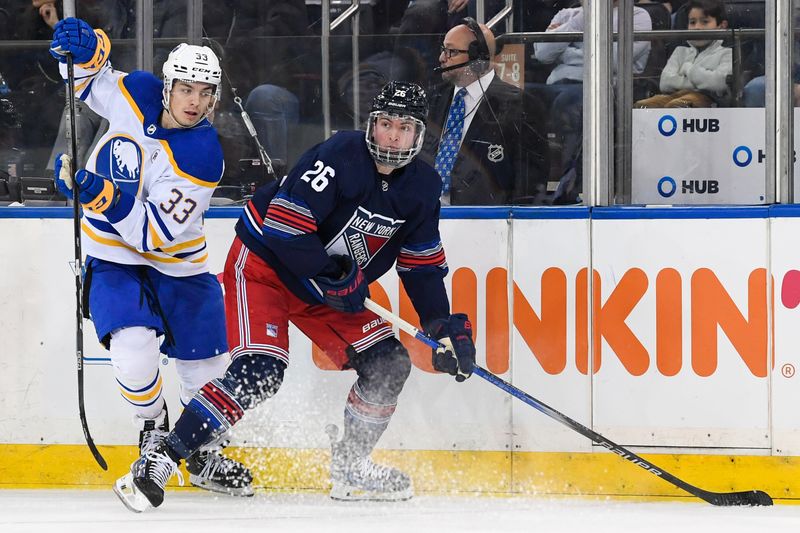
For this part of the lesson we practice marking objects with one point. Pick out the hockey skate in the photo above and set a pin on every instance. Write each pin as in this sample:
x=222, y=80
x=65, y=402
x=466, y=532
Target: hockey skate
x=357, y=478
x=152, y=431
x=210, y=470
x=143, y=486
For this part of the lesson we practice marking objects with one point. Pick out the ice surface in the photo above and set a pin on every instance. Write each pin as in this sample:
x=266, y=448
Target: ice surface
x=61, y=511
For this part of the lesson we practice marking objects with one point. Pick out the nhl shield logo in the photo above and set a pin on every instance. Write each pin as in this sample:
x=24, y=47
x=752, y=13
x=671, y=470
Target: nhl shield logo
x=495, y=153
x=151, y=129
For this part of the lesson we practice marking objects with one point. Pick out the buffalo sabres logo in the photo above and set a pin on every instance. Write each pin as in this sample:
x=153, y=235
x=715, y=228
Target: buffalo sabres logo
x=120, y=159
x=495, y=153
x=364, y=235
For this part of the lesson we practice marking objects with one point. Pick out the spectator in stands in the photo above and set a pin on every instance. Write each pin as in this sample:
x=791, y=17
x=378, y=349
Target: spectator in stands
x=754, y=92
x=696, y=75
x=438, y=16
x=477, y=136
x=564, y=87
x=274, y=69
x=30, y=82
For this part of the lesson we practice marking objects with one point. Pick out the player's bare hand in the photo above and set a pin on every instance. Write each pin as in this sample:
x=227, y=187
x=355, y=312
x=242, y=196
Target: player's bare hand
x=40, y=3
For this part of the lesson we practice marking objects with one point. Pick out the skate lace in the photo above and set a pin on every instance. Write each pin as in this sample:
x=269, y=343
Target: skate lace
x=370, y=470
x=216, y=463
x=161, y=468
x=151, y=439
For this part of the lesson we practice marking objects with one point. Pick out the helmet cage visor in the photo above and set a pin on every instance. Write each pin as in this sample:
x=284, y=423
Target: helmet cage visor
x=394, y=157
x=168, y=86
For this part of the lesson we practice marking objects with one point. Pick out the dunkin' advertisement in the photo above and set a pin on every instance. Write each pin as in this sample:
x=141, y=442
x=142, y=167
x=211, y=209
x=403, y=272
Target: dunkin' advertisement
x=658, y=331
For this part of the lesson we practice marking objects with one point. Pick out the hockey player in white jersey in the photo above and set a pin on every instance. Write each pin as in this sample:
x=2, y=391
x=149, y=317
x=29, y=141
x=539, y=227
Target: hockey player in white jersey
x=143, y=190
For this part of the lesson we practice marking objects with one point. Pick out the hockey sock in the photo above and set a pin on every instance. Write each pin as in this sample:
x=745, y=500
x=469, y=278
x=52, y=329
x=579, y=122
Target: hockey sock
x=212, y=411
x=134, y=357
x=364, y=421
x=249, y=380
x=382, y=372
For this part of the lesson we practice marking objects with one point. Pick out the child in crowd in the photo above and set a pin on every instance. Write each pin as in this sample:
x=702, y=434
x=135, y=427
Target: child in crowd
x=696, y=75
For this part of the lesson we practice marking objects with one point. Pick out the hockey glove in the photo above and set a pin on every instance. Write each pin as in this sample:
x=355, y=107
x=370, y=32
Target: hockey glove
x=76, y=37
x=95, y=193
x=346, y=294
x=63, y=174
x=457, y=357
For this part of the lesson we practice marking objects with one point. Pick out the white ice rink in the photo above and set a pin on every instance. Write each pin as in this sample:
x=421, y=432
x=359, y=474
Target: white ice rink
x=53, y=511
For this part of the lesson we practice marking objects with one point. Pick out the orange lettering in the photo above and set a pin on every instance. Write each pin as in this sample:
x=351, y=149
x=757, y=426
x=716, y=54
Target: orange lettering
x=420, y=353
x=712, y=306
x=582, y=322
x=610, y=322
x=497, y=321
x=669, y=330
x=546, y=337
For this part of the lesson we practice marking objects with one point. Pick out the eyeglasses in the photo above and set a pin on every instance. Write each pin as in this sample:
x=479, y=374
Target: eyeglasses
x=452, y=52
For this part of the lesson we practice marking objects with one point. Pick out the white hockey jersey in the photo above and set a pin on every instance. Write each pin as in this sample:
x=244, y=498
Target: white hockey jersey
x=169, y=173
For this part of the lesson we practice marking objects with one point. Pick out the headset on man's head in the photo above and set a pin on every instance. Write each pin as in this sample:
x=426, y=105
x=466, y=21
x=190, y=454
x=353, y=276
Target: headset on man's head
x=478, y=55
x=478, y=50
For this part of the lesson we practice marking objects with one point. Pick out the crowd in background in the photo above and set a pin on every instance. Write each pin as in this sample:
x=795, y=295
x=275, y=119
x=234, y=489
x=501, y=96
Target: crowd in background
x=270, y=51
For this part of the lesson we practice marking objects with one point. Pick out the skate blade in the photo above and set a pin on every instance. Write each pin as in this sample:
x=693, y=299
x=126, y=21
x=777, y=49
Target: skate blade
x=206, y=484
x=130, y=495
x=348, y=493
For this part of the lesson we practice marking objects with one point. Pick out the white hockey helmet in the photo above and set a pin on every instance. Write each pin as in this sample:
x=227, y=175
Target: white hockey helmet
x=191, y=63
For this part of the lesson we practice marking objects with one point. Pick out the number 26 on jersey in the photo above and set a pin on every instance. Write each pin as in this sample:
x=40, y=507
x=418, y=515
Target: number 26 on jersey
x=318, y=176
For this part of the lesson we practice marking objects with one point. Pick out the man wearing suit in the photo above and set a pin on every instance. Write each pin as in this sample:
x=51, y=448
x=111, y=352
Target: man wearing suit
x=478, y=136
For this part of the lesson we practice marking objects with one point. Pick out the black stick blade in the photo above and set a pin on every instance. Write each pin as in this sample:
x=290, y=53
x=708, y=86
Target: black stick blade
x=104, y=465
x=749, y=497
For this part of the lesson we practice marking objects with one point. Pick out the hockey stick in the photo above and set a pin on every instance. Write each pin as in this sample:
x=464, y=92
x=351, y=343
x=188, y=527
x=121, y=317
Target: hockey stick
x=750, y=497
x=76, y=229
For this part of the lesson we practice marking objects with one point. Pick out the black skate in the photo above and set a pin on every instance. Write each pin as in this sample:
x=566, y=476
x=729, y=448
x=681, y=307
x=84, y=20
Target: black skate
x=210, y=470
x=144, y=485
x=357, y=478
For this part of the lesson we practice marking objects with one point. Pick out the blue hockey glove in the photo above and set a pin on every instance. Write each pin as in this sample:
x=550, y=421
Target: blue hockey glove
x=95, y=193
x=76, y=37
x=348, y=293
x=457, y=357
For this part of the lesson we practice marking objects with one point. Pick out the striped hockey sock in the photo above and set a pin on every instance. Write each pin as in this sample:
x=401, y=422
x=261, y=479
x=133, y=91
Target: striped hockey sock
x=364, y=421
x=211, y=412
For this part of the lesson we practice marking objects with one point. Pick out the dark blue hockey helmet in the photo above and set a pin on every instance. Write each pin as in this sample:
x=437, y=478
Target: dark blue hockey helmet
x=398, y=99
x=402, y=98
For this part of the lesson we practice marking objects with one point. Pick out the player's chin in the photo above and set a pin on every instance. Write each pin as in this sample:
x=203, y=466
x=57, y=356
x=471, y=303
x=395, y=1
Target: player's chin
x=190, y=118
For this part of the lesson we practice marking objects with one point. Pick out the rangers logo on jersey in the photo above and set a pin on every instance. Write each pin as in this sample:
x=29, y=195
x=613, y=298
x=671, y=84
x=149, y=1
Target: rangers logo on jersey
x=364, y=235
x=120, y=159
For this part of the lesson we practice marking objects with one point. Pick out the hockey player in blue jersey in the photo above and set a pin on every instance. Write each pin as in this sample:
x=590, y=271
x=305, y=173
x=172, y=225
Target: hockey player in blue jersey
x=143, y=190
x=305, y=251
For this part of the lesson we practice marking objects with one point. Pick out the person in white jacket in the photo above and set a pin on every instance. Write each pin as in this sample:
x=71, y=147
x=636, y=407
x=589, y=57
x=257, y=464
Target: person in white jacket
x=696, y=75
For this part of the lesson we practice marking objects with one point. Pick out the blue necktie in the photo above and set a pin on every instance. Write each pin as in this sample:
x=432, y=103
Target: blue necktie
x=451, y=140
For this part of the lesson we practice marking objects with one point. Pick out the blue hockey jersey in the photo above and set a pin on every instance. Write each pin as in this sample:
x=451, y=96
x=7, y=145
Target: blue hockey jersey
x=334, y=201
